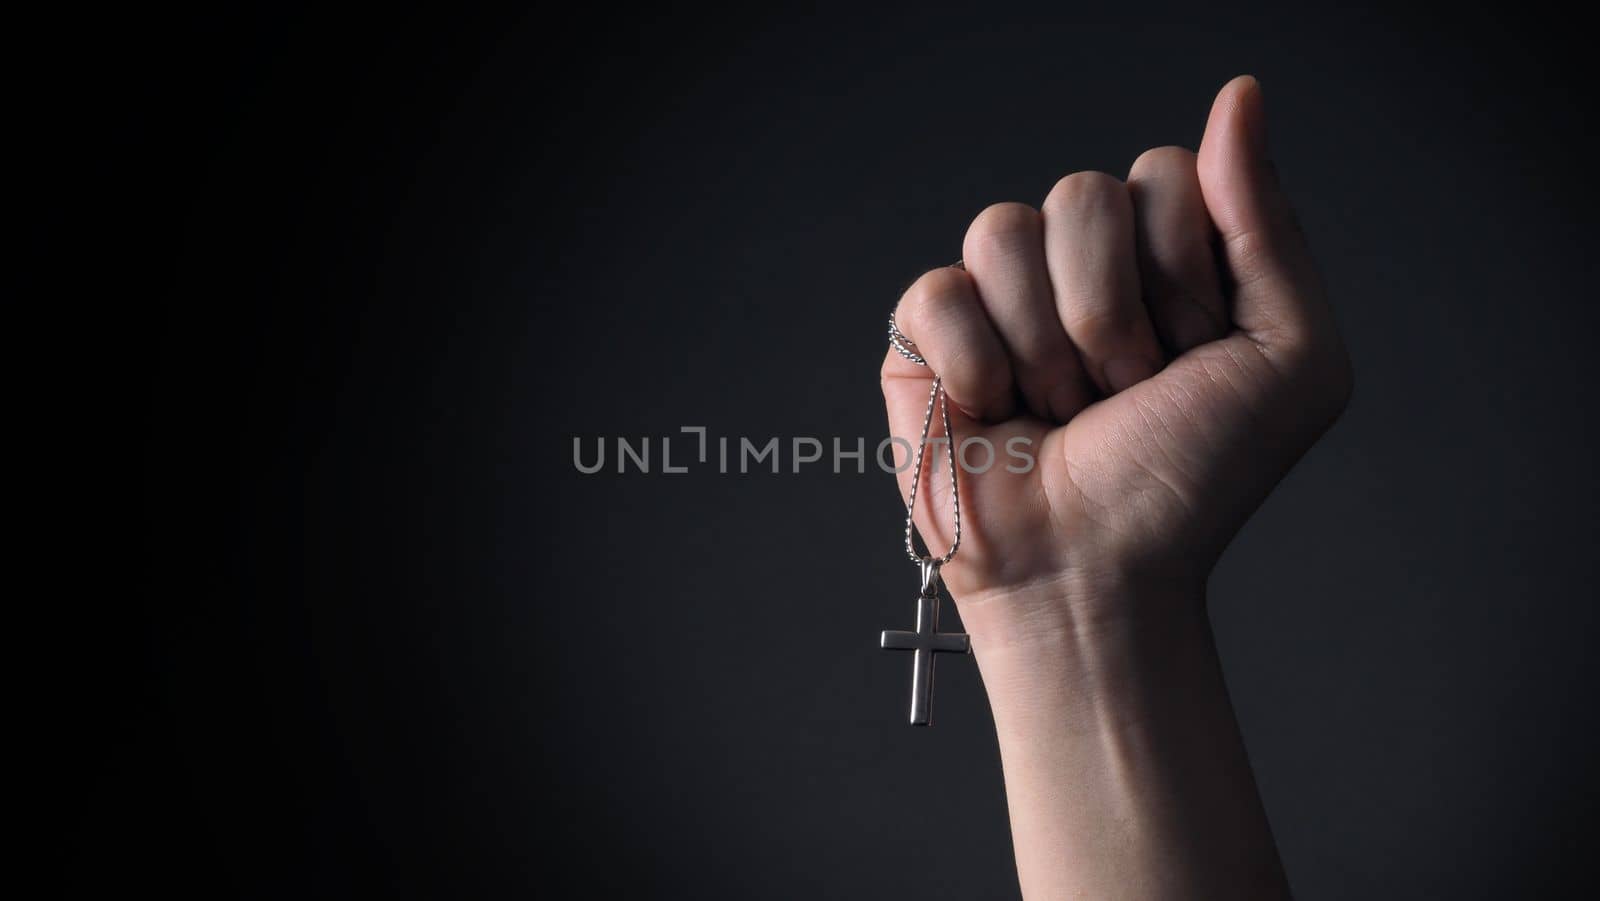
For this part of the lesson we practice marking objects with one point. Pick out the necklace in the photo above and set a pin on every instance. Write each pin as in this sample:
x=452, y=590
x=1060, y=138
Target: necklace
x=927, y=640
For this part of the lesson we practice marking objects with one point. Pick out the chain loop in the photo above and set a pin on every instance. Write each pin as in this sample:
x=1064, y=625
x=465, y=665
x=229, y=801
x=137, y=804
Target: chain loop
x=936, y=396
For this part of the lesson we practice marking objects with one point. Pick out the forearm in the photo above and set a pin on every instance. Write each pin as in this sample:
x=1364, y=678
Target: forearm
x=1124, y=769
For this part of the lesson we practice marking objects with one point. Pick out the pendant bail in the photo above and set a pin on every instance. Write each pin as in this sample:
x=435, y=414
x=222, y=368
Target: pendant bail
x=930, y=577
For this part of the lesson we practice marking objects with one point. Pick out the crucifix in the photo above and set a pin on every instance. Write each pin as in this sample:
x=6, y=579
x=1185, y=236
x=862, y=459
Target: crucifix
x=924, y=643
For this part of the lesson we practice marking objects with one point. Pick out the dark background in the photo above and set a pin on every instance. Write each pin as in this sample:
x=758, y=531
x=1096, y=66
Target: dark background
x=369, y=275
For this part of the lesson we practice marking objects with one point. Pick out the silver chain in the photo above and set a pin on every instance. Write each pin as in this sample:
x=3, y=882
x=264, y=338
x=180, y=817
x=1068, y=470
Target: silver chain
x=936, y=395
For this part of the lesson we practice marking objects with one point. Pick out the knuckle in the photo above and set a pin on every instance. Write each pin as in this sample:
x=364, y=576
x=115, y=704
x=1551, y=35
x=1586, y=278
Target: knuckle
x=1044, y=345
x=1158, y=161
x=1083, y=192
x=975, y=379
x=1095, y=328
x=1099, y=325
x=1002, y=226
x=934, y=294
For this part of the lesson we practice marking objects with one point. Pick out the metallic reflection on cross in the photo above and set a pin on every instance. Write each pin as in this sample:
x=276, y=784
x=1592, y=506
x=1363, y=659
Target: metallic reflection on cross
x=926, y=642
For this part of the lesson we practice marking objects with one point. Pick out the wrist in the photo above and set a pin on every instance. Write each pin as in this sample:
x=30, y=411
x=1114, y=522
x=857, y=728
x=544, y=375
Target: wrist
x=1104, y=654
x=1081, y=611
x=1117, y=737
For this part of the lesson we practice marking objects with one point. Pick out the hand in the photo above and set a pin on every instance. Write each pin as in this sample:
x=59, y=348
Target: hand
x=1165, y=346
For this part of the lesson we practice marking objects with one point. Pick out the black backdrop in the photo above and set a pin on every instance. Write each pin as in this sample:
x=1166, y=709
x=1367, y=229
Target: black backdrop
x=378, y=272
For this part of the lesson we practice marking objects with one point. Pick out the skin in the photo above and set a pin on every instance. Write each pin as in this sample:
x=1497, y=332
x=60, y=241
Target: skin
x=1165, y=344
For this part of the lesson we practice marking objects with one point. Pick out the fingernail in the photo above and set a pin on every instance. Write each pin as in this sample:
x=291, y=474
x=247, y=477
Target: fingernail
x=1122, y=374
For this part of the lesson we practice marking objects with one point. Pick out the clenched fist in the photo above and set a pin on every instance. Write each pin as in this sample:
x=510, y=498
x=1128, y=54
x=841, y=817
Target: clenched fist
x=1164, y=344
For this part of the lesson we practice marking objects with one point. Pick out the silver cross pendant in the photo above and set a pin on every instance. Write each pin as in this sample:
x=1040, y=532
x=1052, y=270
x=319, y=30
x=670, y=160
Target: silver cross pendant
x=925, y=642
